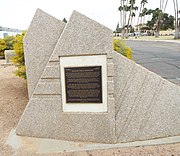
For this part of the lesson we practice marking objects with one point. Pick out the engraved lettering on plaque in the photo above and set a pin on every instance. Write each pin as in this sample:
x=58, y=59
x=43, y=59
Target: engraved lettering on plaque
x=83, y=84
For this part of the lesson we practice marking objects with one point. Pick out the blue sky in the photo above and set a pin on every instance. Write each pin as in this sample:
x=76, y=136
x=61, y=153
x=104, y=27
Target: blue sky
x=19, y=13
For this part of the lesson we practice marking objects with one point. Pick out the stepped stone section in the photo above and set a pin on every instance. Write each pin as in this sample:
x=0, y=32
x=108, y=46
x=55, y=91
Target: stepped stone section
x=147, y=106
x=163, y=118
x=81, y=36
x=141, y=105
x=39, y=42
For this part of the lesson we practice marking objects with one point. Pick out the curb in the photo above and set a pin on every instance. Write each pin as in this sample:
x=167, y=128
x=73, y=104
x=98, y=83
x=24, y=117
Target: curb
x=170, y=41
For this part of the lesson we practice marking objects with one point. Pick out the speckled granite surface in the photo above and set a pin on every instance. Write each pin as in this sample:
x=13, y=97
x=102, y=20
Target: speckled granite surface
x=141, y=105
x=147, y=106
x=43, y=116
x=39, y=42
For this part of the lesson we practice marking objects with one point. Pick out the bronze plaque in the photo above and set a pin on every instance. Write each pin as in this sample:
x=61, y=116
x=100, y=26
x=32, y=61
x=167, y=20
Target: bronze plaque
x=83, y=84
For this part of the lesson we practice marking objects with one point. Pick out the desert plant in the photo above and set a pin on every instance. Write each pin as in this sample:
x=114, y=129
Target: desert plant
x=18, y=60
x=3, y=47
x=121, y=48
x=10, y=41
x=6, y=44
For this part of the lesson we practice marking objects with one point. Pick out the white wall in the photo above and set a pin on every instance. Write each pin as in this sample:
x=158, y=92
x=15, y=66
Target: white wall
x=9, y=33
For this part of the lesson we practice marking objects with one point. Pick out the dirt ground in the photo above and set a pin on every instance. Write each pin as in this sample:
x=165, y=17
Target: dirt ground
x=13, y=99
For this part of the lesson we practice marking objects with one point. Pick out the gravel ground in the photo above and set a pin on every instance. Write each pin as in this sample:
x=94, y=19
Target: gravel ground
x=13, y=99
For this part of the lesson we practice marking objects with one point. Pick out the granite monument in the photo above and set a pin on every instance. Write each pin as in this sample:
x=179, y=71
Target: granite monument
x=82, y=90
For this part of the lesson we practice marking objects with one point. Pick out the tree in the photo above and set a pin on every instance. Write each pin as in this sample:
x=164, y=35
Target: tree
x=166, y=22
x=140, y=16
x=18, y=60
x=3, y=47
x=156, y=21
x=64, y=20
x=160, y=11
x=117, y=28
x=163, y=5
x=10, y=41
x=132, y=16
x=143, y=14
x=131, y=8
x=127, y=8
x=177, y=20
x=123, y=9
x=6, y=44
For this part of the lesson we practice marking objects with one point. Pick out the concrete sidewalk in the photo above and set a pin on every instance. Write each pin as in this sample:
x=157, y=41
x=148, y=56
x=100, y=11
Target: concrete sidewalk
x=49, y=146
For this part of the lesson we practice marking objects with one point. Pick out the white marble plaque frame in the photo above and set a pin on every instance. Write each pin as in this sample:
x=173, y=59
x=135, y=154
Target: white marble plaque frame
x=83, y=61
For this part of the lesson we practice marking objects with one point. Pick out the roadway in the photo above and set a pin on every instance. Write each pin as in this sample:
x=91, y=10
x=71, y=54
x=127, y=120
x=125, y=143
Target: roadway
x=162, y=58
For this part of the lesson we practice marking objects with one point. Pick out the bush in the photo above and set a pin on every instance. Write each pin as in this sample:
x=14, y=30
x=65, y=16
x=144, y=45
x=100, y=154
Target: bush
x=121, y=48
x=6, y=44
x=18, y=60
x=10, y=41
x=3, y=47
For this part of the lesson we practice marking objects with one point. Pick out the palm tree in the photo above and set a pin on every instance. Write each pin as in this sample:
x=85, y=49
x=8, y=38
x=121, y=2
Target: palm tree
x=163, y=5
x=159, y=21
x=123, y=8
x=132, y=16
x=177, y=20
x=143, y=14
x=131, y=13
x=121, y=17
x=142, y=4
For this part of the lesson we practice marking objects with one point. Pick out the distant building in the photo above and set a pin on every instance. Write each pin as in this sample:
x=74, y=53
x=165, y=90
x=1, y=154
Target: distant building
x=4, y=31
x=168, y=32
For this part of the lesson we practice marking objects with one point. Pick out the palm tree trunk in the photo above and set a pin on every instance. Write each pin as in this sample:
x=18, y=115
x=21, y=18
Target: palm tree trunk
x=160, y=4
x=176, y=19
x=121, y=19
x=139, y=17
x=131, y=20
x=165, y=6
x=126, y=12
x=123, y=26
x=160, y=17
x=130, y=14
x=157, y=29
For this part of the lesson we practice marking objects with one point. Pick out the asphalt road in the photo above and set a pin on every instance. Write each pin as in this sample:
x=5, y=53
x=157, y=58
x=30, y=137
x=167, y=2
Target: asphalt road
x=162, y=58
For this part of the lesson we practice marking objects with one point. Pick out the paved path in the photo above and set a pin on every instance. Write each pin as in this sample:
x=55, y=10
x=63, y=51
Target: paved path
x=161, y=57
x=169, y=146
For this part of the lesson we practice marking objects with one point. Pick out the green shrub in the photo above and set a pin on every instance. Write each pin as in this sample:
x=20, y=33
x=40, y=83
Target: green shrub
x=3, y=47
x=6, y=44
x=10, y=41
x=121, y=48
x=18, y=60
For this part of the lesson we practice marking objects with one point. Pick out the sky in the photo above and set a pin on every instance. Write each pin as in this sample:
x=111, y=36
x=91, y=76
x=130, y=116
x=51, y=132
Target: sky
x=19, y=13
